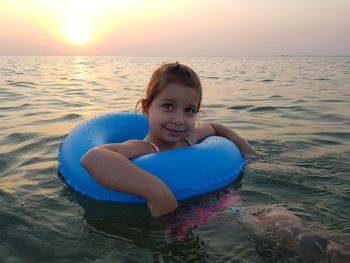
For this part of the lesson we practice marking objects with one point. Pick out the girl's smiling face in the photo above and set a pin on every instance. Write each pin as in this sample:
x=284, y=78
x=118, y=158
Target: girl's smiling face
x=172, y=115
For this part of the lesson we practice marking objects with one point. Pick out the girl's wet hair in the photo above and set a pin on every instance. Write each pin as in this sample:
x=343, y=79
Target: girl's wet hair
x=166, y=74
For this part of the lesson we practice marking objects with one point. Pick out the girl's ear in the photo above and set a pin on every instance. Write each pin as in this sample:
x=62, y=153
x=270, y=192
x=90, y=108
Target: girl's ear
x=144, y=108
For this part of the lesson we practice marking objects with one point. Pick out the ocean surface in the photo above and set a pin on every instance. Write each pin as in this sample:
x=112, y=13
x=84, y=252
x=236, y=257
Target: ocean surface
x=295, y=110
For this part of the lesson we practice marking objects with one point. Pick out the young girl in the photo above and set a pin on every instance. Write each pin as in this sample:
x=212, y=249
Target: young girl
x=172, y=102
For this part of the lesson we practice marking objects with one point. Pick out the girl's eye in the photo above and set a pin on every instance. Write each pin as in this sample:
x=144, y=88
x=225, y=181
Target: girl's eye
x=168, y=106
x=191, y=111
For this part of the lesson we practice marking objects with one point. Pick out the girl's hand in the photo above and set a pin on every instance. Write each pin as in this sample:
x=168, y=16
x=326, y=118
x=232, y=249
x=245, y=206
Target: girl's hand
x=253, y=156
x=202, y=131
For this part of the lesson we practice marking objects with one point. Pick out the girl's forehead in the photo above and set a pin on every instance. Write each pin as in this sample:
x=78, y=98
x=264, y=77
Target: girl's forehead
x=175, y=91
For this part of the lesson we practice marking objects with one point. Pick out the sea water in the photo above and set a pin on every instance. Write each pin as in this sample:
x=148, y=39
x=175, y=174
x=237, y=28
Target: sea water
x=295, y=110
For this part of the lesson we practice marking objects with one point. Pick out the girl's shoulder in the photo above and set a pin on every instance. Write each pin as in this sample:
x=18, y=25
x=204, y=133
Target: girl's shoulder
x=131, y=148
x=200, y=132
x=141, y=147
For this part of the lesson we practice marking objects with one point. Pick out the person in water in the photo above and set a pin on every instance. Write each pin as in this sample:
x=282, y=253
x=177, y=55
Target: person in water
x=171, y=104
x=281, y=234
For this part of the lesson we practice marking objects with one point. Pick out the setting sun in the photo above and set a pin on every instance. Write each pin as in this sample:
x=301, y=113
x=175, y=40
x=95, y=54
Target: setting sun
x=78, y=33
x=77, y=21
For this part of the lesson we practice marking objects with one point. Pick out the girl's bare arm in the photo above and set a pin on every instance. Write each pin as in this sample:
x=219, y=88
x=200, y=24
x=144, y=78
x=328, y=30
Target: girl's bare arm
x=210, y=129
x=108, y=165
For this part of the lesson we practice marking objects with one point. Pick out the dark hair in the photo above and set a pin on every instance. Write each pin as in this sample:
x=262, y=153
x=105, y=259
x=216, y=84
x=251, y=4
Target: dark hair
x=166, y=74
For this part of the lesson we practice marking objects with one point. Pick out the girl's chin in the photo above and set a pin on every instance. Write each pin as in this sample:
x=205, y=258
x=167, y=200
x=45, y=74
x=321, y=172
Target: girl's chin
x=170, y=138
x=173, y=139
x=175, y=135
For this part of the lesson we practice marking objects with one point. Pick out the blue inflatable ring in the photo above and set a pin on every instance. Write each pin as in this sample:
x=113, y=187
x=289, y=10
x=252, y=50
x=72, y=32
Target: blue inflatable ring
x=190, y=171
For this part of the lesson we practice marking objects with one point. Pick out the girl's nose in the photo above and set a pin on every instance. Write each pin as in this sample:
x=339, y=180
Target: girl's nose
x=178, y=118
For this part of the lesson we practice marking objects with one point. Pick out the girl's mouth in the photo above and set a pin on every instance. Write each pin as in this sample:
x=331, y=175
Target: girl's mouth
x=175, y=133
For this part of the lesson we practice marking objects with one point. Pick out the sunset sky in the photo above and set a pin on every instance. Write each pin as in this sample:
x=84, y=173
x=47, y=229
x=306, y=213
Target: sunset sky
x=175, y=28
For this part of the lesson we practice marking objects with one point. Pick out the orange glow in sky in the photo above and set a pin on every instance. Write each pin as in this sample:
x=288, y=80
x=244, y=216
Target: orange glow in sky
x=78, y=33
x=75, y=22
x=174, y=27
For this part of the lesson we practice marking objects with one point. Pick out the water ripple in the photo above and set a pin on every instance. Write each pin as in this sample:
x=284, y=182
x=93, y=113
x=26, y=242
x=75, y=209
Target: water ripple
x=19, y=137
x=16, y=108
x=25, y=84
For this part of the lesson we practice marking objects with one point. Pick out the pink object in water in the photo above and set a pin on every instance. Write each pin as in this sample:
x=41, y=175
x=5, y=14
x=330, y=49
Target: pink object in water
x=188, y=220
